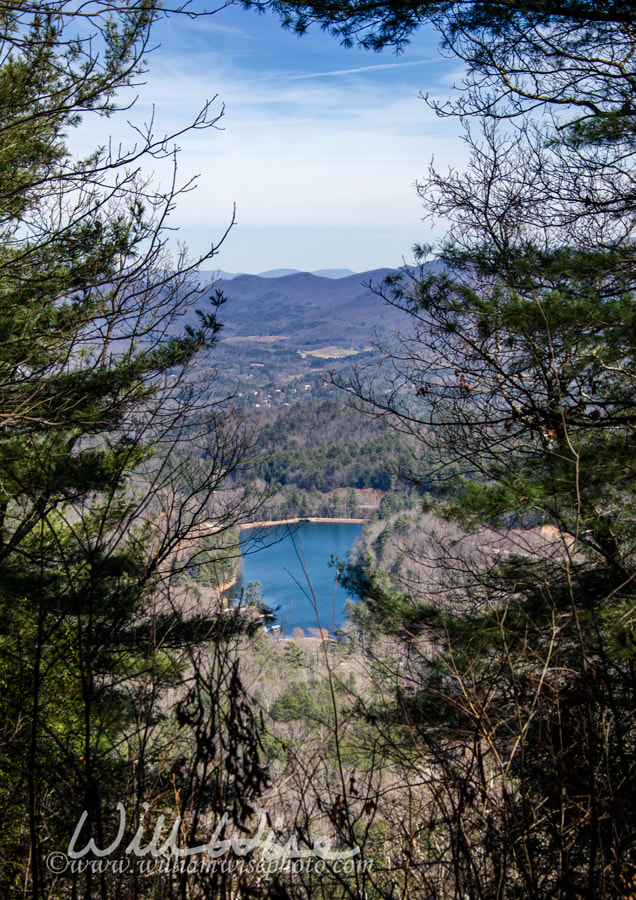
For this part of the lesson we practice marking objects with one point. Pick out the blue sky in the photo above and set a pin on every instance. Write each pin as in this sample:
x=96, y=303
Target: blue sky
x=319, y=146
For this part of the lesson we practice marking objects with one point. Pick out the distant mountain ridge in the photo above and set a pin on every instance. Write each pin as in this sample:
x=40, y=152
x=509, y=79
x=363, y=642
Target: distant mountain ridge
x=303, y=311
x=279, y=273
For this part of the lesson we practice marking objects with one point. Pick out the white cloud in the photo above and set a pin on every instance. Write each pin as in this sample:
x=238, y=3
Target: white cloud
x=378, y=68
x=339, y=148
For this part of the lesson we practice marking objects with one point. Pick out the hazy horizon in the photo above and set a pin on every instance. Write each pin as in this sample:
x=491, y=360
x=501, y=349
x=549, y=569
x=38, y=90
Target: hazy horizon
x=319, y=146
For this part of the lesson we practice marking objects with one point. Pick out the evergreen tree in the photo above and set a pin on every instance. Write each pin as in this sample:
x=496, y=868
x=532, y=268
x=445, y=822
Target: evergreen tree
x=100, y=505
x=517, y=377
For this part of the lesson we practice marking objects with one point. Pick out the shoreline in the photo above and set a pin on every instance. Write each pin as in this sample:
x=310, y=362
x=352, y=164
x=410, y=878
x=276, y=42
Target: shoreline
x=325, y=520
x=271, y=523
x=222, y=588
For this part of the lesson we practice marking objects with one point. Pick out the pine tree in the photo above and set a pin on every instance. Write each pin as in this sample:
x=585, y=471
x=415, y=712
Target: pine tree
x=515, y=372
x=104, y=495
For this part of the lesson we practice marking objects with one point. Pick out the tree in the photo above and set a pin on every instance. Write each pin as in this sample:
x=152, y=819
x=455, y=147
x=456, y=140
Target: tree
x=572, y=60
x=517, y=377
x=519, y=368
x=518, y=372
x=100, y=506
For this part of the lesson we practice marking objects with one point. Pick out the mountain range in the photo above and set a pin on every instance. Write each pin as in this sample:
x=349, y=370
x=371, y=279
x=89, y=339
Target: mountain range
x=284, y=336
x=303, y=310
x=279, y=273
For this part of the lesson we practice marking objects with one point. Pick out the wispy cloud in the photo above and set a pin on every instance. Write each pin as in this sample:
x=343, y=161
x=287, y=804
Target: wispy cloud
x=363, y=69
x=307, y=147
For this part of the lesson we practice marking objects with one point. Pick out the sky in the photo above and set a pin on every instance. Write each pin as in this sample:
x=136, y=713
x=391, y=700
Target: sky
x=318, y=149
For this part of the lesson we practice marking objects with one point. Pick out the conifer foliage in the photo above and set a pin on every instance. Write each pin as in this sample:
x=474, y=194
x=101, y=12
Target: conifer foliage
x=100, y=504
x=516, y=696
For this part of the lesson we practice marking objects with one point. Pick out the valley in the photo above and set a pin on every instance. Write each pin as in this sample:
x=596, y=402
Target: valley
x=284, y=337
x=286, y=342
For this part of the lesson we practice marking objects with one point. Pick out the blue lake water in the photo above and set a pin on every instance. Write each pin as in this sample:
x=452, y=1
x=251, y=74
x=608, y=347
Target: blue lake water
x=286, y=559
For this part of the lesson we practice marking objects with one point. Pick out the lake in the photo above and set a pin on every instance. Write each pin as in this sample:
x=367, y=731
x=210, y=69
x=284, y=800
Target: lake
x=286, y=558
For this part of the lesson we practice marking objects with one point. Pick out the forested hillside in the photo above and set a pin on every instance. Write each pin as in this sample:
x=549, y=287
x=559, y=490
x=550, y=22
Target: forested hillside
x=259, y=374
x=322, y=458
x=284, y=337
x=326, y=445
